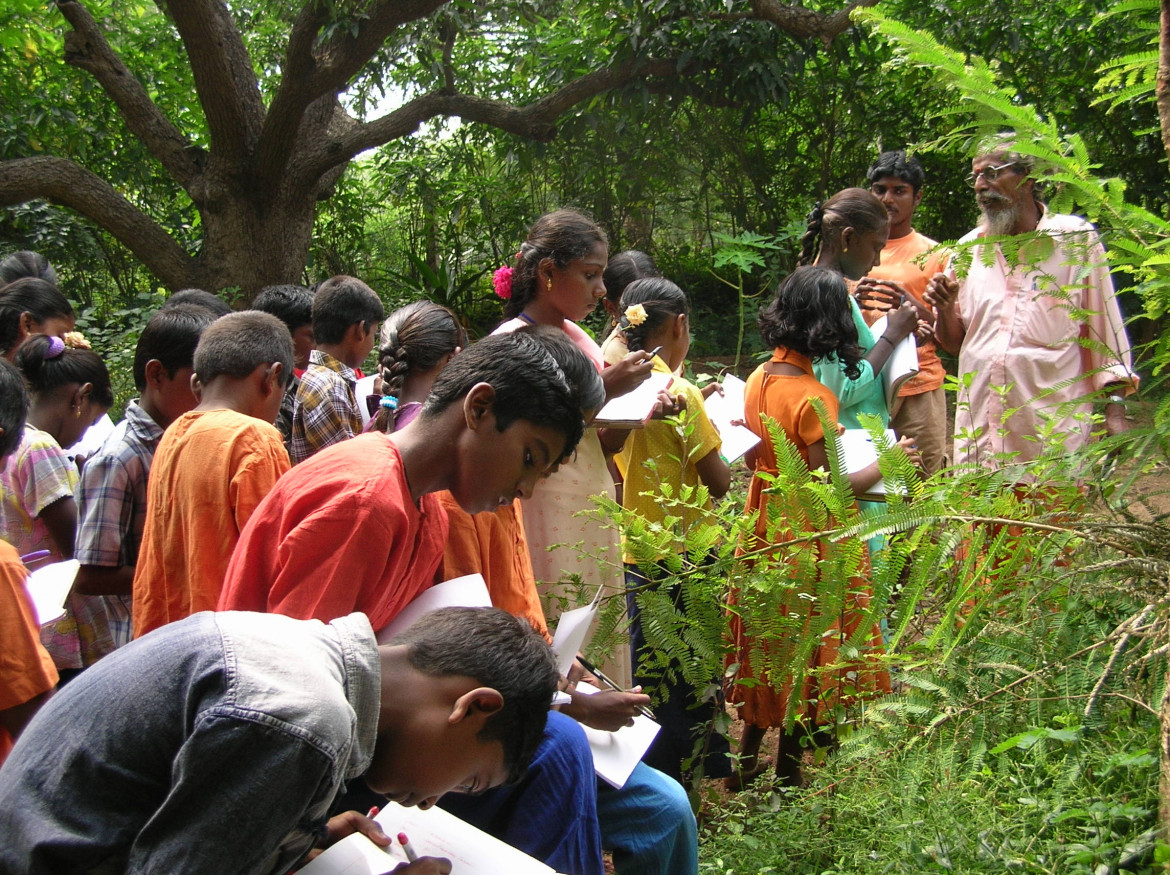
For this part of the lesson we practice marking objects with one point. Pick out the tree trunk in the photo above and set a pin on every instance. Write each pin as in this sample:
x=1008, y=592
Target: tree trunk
x=1162, y=82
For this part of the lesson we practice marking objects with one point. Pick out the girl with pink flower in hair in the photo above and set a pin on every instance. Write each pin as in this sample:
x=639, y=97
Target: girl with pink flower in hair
x=556, y=279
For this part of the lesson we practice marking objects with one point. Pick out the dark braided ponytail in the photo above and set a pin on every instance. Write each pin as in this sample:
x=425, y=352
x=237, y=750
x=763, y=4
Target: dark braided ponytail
x=414, y=338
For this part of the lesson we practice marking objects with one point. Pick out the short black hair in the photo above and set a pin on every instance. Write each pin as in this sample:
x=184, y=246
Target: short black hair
x=340, y=302
x=48, y=364
x=901, y=166
x=170, y=336
x=292, y=305
x=623, y=269
x=496, y=650
x=23, y=264
x=217, y=305
x=811, y=315
x=13, y=408
x=528, y=382
x=579, y=371
x=236, y=344
x=37, y=297
x=659, y=298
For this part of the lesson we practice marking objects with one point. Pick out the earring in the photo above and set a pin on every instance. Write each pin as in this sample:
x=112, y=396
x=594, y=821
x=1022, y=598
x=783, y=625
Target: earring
x=77, y=412
x=548, y=287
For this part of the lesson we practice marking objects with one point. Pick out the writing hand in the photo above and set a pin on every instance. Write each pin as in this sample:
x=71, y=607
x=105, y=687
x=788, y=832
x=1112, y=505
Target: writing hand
x=668, y=405
x=608, y=710
x=901, y=322
x=627, y=374
x=910, y=447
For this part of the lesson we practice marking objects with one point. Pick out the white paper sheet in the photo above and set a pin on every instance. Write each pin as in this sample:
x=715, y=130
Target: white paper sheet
x=469, y=591
x=573, y=629
x=615, y=754
x=635, y=407
x=364, y=387
x=48, y=586
x=721, y=410
x=432, y=833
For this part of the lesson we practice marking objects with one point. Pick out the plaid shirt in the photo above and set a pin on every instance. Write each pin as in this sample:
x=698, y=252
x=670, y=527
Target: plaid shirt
x=326, y=411
x=111, y=505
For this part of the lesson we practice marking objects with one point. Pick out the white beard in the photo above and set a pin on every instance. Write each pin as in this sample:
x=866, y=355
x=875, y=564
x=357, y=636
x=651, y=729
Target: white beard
x=1000, y=219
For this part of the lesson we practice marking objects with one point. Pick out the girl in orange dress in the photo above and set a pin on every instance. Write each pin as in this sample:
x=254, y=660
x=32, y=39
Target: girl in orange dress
x=810, y=320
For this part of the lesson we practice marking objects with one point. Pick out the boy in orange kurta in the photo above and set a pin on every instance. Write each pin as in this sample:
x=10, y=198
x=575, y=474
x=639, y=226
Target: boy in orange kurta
x=212, y=468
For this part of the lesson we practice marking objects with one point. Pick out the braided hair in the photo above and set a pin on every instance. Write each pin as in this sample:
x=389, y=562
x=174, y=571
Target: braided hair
x=851, y=208
x=659, y=300
x=414, y=338
x=563, y=236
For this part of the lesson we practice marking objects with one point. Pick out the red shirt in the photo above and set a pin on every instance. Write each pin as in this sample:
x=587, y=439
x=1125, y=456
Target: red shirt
x=339, y=533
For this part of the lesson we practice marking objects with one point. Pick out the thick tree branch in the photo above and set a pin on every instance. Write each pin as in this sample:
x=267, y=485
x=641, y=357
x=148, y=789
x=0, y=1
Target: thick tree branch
x=224, y=78
x=310, y=75
x=67, y=184
x=806, y=23
x=1162, y=82
x=87, y=49
x=536, y=121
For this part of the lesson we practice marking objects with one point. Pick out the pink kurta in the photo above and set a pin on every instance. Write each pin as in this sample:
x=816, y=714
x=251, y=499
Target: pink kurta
x=1021, y=351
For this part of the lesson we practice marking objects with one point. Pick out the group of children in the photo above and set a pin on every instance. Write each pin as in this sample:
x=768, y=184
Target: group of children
x=243, y=479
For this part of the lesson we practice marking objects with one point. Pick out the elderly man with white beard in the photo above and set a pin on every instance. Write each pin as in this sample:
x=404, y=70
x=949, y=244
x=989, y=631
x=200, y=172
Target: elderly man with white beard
x=1035, y=323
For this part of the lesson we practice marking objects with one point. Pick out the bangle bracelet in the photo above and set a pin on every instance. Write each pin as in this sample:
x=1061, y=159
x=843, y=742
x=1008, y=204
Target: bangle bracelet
x=1116, y=399
x=886, y=339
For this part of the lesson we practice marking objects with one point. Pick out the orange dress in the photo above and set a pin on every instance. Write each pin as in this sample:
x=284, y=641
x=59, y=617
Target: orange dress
x=827, y=682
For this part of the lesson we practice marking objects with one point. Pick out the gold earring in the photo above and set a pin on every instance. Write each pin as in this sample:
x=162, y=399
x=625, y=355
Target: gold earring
x=77, y=412
x=548, y=287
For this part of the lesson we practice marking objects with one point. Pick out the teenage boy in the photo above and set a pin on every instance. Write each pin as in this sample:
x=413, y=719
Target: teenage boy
x=346, y=313
x=219, y=743
x=213, y=467
x=292, y=305
x=27, y=673
x=358, y=527
x=111, y=497
x=896, y=179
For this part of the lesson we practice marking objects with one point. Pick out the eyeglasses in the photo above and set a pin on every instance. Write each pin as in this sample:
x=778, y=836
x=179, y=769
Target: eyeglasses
x=991, y=174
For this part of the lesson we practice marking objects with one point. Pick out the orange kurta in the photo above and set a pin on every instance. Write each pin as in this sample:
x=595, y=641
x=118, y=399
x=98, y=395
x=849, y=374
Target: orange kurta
x=493, y=544
x=787, y=400
x=210, y=472
x=26, y=669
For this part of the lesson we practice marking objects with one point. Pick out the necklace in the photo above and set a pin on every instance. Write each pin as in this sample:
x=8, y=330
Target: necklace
x=527, y=318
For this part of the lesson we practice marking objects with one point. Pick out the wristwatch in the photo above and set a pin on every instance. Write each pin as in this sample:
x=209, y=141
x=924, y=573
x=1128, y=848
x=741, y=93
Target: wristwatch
x=1116, y=399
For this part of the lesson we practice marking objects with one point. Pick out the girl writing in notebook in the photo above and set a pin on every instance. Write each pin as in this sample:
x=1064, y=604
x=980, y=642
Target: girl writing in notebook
x=809, y=323
x=676, y=454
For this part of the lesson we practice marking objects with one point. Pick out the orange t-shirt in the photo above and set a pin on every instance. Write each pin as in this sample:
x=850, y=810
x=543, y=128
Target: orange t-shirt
x=26, y=669
x=494, y=544
x=899, y=264
x=210, y=472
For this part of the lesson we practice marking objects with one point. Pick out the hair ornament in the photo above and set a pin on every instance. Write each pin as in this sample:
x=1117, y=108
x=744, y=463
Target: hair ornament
x=55, y=348
x=635, y=314
x=388, y=402
x=502, y=282
x=76, y=340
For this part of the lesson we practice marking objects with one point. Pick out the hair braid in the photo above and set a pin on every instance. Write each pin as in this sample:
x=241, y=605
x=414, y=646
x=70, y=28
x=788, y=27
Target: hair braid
x=812, y=235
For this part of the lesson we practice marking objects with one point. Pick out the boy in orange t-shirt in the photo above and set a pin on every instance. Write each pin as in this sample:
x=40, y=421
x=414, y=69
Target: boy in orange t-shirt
x=212, y=468
x=27, y=674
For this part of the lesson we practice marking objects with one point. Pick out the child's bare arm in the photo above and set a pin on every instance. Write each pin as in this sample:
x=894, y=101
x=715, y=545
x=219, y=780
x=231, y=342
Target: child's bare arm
x=715, y=473
x=60, y=518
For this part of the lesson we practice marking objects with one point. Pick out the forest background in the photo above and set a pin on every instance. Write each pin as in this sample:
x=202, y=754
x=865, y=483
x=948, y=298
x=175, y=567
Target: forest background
x=147, y=148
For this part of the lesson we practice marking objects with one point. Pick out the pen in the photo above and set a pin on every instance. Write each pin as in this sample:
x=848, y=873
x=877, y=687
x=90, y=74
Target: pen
x=655, y=351
x=593, y=670
x=411, y=853
x=373, y=812
x=34, y=556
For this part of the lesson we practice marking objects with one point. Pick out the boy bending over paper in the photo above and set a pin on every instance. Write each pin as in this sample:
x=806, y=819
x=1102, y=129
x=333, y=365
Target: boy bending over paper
x=218, y=743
